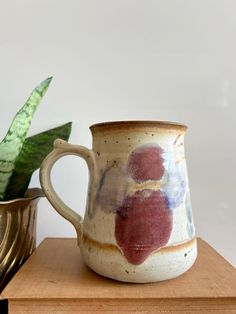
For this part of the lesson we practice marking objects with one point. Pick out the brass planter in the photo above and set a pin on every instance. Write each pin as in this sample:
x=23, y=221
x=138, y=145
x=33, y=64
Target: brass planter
x=17, y=232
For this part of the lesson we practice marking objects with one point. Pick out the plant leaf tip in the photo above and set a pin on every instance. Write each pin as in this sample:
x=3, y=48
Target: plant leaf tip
x=48, y=80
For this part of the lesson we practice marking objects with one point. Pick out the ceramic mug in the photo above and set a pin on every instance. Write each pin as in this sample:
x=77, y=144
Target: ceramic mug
x=138, y=224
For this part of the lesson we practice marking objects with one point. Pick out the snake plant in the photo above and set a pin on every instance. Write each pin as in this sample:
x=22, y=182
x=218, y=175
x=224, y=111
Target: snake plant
x=21, y=156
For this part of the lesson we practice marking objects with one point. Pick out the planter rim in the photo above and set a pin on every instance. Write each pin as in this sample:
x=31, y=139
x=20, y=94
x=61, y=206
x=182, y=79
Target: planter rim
x=30, y=195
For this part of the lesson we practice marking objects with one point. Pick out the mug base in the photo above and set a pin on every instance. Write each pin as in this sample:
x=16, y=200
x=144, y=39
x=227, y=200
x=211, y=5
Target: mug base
x=161, y=265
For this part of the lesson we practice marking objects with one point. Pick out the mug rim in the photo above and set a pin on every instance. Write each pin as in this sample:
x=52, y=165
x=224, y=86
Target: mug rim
x=110, y=125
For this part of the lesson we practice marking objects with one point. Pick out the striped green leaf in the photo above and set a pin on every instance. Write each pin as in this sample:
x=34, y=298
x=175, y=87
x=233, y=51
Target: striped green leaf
x=34, y=150
x=12, y=144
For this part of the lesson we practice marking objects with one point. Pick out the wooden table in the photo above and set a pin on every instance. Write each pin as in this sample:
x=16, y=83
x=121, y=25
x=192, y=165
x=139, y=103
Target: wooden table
x=55, y=280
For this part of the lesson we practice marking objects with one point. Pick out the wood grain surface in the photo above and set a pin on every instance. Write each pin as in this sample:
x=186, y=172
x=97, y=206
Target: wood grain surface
x=55, y=280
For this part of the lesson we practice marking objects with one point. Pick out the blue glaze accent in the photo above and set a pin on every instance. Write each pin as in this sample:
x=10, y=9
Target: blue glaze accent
x=190, y=225
x=174, y=186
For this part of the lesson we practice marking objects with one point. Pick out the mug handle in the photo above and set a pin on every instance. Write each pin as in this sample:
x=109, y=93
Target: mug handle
x=62, y=148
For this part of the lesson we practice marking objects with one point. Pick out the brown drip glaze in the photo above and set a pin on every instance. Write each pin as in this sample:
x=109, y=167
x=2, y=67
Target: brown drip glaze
x=138, y=124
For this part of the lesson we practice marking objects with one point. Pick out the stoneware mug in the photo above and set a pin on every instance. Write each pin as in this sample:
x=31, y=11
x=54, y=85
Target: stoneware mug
x=138, y=224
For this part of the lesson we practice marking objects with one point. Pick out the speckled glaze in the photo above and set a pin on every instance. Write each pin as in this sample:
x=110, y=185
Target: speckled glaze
x=138, y=224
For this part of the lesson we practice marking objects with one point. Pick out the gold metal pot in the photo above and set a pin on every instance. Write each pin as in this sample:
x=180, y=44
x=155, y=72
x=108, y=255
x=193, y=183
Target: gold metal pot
x=17, y=232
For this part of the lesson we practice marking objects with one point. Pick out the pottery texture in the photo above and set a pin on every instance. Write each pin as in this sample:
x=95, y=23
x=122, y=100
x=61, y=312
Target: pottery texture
x=17, y=232
x=138, y=224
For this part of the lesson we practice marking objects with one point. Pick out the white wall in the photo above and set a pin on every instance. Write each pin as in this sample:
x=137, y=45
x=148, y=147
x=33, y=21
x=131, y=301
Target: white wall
x=126, y=59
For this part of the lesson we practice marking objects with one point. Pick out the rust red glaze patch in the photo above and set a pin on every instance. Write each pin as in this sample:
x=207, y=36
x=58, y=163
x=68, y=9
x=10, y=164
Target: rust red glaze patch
x=143, y=224
x=146, y=163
